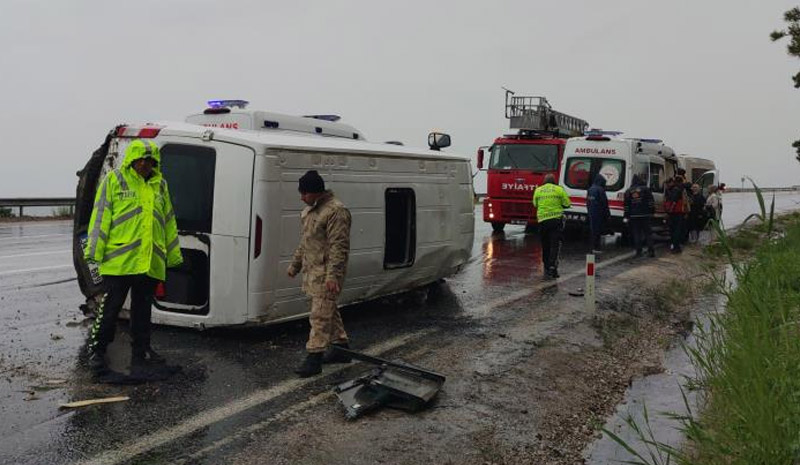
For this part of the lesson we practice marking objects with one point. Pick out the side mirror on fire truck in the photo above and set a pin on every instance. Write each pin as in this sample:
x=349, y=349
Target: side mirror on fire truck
x=480, y=159
x=438, y=140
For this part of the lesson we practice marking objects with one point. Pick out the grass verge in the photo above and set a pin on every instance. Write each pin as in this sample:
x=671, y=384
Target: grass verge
x=748, y=362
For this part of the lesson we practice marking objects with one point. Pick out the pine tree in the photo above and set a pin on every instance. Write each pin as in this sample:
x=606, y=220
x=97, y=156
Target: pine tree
x=792, y=31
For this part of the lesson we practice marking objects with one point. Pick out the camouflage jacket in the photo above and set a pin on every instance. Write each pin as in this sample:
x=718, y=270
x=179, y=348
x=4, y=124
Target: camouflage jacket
x=324, y=245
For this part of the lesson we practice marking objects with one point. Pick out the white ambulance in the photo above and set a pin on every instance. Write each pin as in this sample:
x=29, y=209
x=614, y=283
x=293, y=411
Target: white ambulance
x=233, y=177
x=617, y=159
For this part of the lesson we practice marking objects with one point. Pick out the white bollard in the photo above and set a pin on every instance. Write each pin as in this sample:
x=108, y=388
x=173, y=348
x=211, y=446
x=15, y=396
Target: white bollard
x=589, y=291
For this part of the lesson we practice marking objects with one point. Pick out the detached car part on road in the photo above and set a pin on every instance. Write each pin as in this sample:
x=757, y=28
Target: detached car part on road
x=392, y=384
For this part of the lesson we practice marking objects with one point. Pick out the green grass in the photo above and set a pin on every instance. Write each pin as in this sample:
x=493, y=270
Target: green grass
x=749, y=364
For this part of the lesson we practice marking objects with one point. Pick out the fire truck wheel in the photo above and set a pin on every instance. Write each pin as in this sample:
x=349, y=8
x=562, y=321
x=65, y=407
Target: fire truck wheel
x=498, y=227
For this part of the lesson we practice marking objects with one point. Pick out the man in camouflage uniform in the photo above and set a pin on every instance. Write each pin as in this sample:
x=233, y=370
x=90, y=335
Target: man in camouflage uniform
x=322, y=257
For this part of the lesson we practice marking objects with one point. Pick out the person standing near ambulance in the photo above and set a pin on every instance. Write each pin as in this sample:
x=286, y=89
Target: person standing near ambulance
x=322, y=257
x=133, y=237
x=599, y=213
x=640, y=206
x=550, y=200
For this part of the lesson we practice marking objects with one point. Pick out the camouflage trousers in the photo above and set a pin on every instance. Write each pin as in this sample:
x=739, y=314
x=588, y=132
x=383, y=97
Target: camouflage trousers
x=326, y=325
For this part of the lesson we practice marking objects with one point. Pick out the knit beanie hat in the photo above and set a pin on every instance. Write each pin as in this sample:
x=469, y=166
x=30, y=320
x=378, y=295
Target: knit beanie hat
x=312, y=183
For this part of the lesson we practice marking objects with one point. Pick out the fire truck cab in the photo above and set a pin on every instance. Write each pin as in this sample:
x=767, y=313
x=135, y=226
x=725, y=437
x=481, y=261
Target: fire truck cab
x=519, y=162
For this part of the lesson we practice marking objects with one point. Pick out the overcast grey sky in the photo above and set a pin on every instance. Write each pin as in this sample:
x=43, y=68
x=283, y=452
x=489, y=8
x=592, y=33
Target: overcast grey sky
x=702, y=75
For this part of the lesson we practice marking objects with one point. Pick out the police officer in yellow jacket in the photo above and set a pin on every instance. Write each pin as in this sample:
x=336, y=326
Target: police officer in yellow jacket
x=133, y=237
x=550, y=200
x=322, y=257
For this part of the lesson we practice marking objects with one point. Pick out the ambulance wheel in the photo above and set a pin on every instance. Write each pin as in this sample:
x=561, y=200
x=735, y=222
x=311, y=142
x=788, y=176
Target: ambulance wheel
x=498, y=227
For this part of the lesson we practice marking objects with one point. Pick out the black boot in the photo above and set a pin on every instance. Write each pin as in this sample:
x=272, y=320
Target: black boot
x=334, y=356
x=101, y=372
x=312, y=365
x=152, y=357
x=97, y=363
x=147, y=365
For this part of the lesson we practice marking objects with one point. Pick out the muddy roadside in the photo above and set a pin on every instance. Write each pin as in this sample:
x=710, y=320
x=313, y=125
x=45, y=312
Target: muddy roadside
x=530, y=383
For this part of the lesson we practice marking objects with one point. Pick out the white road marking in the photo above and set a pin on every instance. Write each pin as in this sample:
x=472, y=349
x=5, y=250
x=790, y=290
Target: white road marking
x=51, y=252
x=35, y=224
x=214, y=415
x=31, y=270
x=37, y=236
x=296, y=408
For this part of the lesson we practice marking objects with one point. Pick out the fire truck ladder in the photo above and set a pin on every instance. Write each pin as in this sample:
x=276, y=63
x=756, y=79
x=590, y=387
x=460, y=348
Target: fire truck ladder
x=534, y=113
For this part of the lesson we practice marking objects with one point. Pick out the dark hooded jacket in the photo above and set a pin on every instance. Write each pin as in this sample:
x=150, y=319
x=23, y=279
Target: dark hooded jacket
x=639, y=202
x=597, y=202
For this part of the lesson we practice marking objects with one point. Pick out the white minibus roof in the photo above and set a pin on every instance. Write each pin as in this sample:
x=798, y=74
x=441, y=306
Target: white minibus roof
x=297, y=141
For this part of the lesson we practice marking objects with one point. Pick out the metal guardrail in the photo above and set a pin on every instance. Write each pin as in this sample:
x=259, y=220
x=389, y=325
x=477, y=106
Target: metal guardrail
x=23, y=202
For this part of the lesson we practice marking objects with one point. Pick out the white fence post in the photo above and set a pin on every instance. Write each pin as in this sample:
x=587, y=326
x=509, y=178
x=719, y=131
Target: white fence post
x=589, y=293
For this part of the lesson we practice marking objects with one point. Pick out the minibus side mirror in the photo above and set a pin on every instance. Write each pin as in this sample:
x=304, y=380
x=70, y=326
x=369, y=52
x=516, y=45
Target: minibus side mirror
x=438, y=140
x=480, y=159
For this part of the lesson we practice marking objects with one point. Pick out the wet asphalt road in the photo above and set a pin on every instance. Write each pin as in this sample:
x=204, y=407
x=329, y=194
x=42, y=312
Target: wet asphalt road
x=231, y=379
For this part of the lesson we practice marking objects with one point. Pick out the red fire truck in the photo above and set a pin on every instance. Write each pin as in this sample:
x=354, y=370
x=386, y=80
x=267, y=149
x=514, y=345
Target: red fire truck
x=519, y=162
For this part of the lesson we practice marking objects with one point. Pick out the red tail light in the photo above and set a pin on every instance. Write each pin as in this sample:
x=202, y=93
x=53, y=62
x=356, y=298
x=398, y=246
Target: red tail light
x=160, y=290
x=141, y=132
x=257, y=245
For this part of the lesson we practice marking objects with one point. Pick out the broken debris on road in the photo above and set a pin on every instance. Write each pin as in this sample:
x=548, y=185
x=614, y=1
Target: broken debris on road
x=393, y=384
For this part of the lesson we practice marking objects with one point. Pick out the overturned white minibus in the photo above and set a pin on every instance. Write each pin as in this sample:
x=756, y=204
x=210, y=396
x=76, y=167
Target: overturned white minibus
x=238, y=213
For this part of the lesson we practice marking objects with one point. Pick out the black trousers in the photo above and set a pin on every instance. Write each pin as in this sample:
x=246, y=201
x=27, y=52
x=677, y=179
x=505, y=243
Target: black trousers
x=596, y=229
x=551, y=232
x=677, y=224
x=142, y=288
x=641, y=232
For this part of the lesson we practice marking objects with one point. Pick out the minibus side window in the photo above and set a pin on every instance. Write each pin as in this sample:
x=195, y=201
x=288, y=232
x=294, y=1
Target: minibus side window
x=656, y=177
x=401, y=228
x=189, y=171
x=577, y=175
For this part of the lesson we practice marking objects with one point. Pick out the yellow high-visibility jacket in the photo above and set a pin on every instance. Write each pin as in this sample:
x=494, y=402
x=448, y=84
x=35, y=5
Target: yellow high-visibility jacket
x=132, y=229
x=550, y=201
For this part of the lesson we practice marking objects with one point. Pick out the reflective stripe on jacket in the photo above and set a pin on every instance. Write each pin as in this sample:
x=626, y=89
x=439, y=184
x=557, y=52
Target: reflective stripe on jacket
x=132, y=229
x=550, y=201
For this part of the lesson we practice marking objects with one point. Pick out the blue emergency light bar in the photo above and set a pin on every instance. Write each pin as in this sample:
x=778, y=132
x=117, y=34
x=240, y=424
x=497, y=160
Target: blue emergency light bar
x=331, y=118
x=600, y=132
x=652, y=141
x=228, y=103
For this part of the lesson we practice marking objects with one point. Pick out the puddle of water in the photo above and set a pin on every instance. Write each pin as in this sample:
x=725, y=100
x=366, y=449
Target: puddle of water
x=660, y=393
